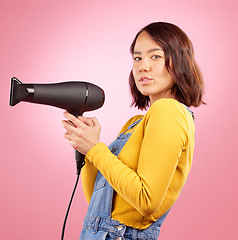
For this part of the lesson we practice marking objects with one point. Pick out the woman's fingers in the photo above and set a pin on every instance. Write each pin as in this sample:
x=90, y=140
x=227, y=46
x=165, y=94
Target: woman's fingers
x=95, y=122
x=69, y=126
x=82, y=133
x=87, y=121
x=73, y=119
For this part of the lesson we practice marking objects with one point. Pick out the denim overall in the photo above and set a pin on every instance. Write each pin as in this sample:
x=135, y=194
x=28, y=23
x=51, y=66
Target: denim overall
x=98, y=223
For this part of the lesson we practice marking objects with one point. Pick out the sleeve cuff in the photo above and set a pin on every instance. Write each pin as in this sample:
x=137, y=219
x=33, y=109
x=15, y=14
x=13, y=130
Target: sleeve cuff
x=94, y=150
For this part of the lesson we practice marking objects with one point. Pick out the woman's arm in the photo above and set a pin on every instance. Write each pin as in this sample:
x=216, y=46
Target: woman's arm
x=76, y=130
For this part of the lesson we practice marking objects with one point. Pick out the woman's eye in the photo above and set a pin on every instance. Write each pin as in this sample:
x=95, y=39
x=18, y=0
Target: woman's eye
x=137, y=58
x=156, y=56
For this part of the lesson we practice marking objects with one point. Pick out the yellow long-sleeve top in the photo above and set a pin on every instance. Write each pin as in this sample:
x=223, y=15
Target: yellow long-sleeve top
x=151, y=168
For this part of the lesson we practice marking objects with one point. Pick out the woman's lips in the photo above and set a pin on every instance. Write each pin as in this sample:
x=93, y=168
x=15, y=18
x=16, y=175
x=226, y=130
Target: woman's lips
x=145, y=80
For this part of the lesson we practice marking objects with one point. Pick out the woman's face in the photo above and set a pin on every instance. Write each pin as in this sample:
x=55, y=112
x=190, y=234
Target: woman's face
x=151, y=76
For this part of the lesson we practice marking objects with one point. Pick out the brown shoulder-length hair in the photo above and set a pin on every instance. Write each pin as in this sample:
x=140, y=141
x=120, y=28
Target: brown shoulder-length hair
x=179, y=61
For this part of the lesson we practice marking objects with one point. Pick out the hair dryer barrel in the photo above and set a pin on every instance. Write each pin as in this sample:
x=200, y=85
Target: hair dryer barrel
x=76, y=97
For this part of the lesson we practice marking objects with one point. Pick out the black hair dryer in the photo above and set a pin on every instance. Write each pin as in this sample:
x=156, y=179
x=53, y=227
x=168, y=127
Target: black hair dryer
x=76, y=97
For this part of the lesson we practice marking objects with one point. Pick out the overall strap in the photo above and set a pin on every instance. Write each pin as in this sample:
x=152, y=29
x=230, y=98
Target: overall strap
x=134, y=124
x=192, y=113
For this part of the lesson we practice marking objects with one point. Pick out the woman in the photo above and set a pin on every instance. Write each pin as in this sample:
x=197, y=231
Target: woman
x=132, y=184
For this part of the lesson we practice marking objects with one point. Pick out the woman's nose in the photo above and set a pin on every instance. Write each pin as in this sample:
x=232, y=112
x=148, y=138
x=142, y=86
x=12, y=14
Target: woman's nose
x=144, y=67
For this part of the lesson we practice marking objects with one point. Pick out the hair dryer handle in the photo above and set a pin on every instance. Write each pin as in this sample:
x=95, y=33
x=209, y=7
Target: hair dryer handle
x=79, y=157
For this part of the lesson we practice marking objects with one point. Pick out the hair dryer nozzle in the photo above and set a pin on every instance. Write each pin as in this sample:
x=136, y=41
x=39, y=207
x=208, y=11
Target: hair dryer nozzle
x=20, y=92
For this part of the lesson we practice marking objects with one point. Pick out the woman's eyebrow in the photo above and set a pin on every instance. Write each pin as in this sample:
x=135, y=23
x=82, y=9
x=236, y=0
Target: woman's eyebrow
x=149, y=51
x=155, y=49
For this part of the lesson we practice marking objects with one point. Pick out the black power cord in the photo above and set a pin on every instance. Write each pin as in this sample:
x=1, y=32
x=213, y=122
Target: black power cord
x=66, y=216
x=79, y=157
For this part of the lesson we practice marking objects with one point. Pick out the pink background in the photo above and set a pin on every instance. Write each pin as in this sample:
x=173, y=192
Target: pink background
x=52, y=41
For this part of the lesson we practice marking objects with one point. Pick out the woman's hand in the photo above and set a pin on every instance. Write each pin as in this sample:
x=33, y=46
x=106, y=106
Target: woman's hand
x=82, y=133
